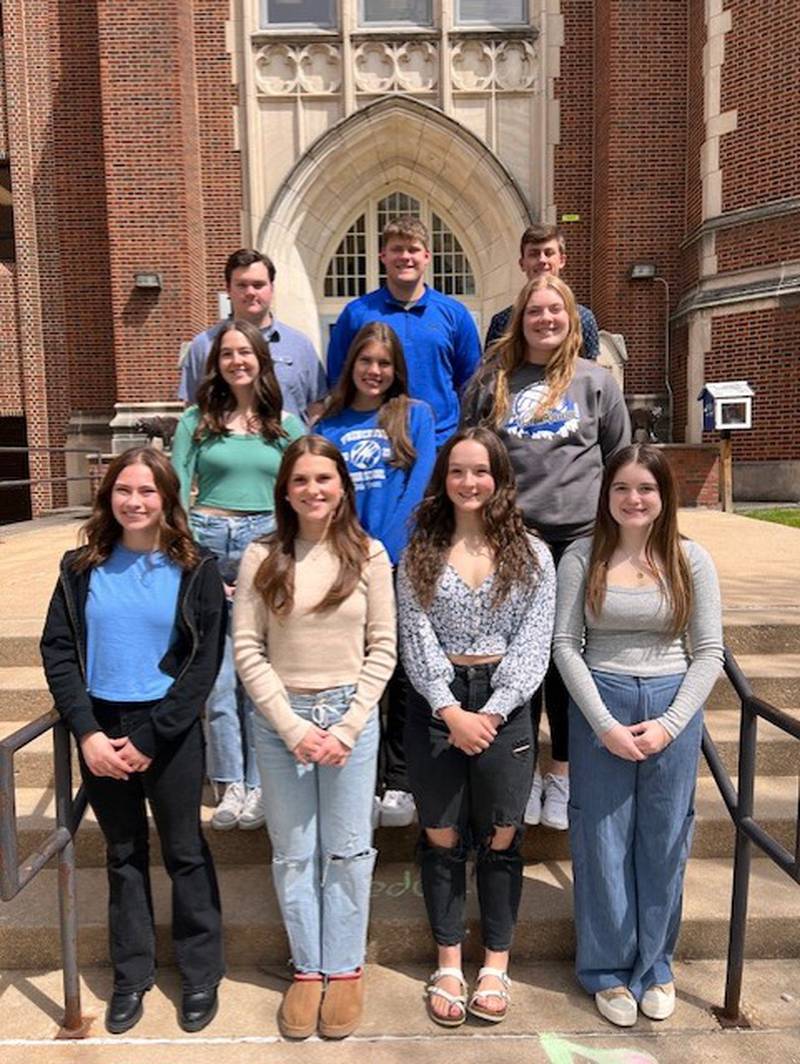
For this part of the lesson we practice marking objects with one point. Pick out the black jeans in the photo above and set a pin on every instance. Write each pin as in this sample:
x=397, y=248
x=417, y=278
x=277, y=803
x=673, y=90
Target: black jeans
x=554, y=693
x=172, y=785
x=473, y=794
x=394, y=772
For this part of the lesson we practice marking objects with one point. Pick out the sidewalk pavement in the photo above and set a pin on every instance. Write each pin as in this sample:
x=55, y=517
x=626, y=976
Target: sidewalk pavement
x=758, y=564
x=551, y=1021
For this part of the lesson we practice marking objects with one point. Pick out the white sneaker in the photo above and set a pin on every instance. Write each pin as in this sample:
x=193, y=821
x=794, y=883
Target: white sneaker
x=397, y=809
x=252, y=814
x=533, y=810
x=617, y=1005
x=658, y=1002
x=554, y=806
x=227, y=813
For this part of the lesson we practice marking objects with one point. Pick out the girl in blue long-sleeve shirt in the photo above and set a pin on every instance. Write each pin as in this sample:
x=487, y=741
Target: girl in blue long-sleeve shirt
x=388, y=441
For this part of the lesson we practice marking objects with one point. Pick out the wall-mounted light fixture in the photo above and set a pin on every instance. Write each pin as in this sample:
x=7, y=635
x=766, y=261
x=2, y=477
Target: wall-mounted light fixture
x=642, y=271
x=646, y=271
x=147, y=280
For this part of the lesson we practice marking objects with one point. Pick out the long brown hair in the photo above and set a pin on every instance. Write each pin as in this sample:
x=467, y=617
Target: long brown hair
x=509, y=352
x=102, y=531
x=274, y=579
x=395, y=401
x=215, y=399
x=663, y=549
x=515, y=560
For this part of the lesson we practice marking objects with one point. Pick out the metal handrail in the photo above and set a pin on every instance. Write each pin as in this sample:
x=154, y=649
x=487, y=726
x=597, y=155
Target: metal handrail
x=739, y=803
x=15, y=875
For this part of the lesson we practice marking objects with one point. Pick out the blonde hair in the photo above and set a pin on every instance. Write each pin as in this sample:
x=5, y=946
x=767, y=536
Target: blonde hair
x=510, y=351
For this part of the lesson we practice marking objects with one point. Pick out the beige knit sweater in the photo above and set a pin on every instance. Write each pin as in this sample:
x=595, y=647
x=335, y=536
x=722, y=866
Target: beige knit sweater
x=354, y=643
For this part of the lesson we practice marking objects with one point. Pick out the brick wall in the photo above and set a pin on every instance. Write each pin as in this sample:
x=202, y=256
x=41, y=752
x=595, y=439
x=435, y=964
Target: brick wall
x=573, y=155
x=759, y=243
x=221, y=165
x=153, y=182
x=761, y=346
x=696, y=470
x=639, y=190
x=760, y=159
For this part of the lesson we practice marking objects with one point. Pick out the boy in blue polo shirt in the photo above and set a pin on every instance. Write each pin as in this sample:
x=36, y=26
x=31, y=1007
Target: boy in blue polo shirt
x=439, y=338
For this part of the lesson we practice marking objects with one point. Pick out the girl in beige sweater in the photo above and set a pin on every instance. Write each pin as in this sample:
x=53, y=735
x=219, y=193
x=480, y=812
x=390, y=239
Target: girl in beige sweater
x=314, y=643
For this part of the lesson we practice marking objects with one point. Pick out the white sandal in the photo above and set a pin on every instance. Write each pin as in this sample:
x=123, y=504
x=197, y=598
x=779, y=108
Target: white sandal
x=460, y=1000
x=505, y=994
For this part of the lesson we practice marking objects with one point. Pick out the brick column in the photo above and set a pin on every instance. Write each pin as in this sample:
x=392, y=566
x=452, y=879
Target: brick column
x=153, y=188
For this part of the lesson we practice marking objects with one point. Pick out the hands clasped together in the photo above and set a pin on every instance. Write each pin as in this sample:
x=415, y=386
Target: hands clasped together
x=115, y=758
x=635, y=742
x=471, y=733
x=322, y=748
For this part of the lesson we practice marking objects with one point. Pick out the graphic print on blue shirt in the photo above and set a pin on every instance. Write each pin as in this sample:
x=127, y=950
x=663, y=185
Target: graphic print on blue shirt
x=367, y=452
x=561, y=420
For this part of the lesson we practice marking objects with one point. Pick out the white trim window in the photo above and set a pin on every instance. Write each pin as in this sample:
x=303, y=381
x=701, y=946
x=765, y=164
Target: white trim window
x=395, y=12
x=320, y=13
x=491, y=13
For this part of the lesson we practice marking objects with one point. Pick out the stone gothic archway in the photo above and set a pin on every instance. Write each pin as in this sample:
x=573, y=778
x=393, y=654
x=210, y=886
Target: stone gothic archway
x=393, y=143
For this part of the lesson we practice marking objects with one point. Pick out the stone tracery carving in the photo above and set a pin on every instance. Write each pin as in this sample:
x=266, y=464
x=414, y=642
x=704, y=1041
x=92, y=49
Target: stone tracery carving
x=490, y=65
x=383, y=66
x=289, y=70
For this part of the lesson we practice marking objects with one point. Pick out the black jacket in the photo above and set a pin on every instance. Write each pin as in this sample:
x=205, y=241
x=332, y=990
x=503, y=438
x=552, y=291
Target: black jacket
x=193, y=659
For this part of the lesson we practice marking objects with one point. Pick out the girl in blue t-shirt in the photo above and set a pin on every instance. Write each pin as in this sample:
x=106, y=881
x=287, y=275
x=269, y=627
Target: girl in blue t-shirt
x=388, y=441
x=131, y=646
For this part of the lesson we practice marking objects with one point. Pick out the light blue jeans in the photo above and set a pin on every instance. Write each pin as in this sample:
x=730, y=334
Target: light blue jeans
x=230, y=751
x=319, y=820
x=631, y=825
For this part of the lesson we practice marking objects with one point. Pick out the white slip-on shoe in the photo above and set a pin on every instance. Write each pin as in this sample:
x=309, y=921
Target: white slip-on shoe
x=658, y=1002
x=618, y=1005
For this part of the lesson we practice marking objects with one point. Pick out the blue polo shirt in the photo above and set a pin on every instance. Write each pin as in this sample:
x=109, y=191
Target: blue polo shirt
x=299, y=371
x=440, y=344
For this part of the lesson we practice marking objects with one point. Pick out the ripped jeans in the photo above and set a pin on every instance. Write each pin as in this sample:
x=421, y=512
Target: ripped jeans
x=319, y=820
x=473, y=795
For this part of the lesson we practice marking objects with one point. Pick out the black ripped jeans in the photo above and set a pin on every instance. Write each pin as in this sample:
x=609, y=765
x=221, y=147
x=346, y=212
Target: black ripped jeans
x=473, y=795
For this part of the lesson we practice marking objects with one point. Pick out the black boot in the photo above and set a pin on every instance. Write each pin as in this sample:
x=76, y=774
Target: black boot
x=124, y=1010
x=198, y=1009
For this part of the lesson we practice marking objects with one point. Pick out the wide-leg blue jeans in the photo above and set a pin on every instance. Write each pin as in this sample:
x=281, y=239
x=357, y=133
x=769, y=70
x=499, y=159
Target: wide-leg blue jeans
x=631, y=825
x=319, y=820
x=229, y=711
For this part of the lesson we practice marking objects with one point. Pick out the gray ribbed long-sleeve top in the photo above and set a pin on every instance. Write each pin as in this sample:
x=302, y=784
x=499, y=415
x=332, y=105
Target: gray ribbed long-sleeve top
x=631, y=636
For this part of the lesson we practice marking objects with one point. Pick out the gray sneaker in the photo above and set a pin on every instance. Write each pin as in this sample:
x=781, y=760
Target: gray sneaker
x=252, y=814
x=227, y=813
x=554, y=806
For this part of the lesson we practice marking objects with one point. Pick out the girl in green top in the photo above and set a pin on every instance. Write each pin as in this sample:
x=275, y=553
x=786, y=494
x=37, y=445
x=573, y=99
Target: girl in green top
x=230, y=446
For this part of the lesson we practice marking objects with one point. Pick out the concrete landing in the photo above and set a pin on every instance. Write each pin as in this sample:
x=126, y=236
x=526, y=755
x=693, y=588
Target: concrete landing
x=551, y=1020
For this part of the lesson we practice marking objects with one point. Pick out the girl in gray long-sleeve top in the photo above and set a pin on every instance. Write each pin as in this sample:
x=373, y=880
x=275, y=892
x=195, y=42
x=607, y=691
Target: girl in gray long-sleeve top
x=561, y=419
x=638, y=641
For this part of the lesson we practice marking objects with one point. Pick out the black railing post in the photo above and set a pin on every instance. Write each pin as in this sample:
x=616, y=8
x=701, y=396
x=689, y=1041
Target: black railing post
x=68, y=912
x=748, y=733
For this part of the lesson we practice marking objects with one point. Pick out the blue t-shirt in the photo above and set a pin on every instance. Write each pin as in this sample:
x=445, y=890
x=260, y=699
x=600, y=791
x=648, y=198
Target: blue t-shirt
x=440, y=344
x=385, y=495
x=299, y=371
x=130, y=624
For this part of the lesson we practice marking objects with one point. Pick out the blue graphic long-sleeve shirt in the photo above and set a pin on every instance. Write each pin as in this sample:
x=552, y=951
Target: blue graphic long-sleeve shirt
x=385, y=495
x=440, y=344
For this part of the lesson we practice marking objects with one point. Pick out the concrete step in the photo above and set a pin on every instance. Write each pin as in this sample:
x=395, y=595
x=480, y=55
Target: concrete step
x=395, y=1027
x=776, y=812
x=399, y=930
x=778, y=754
